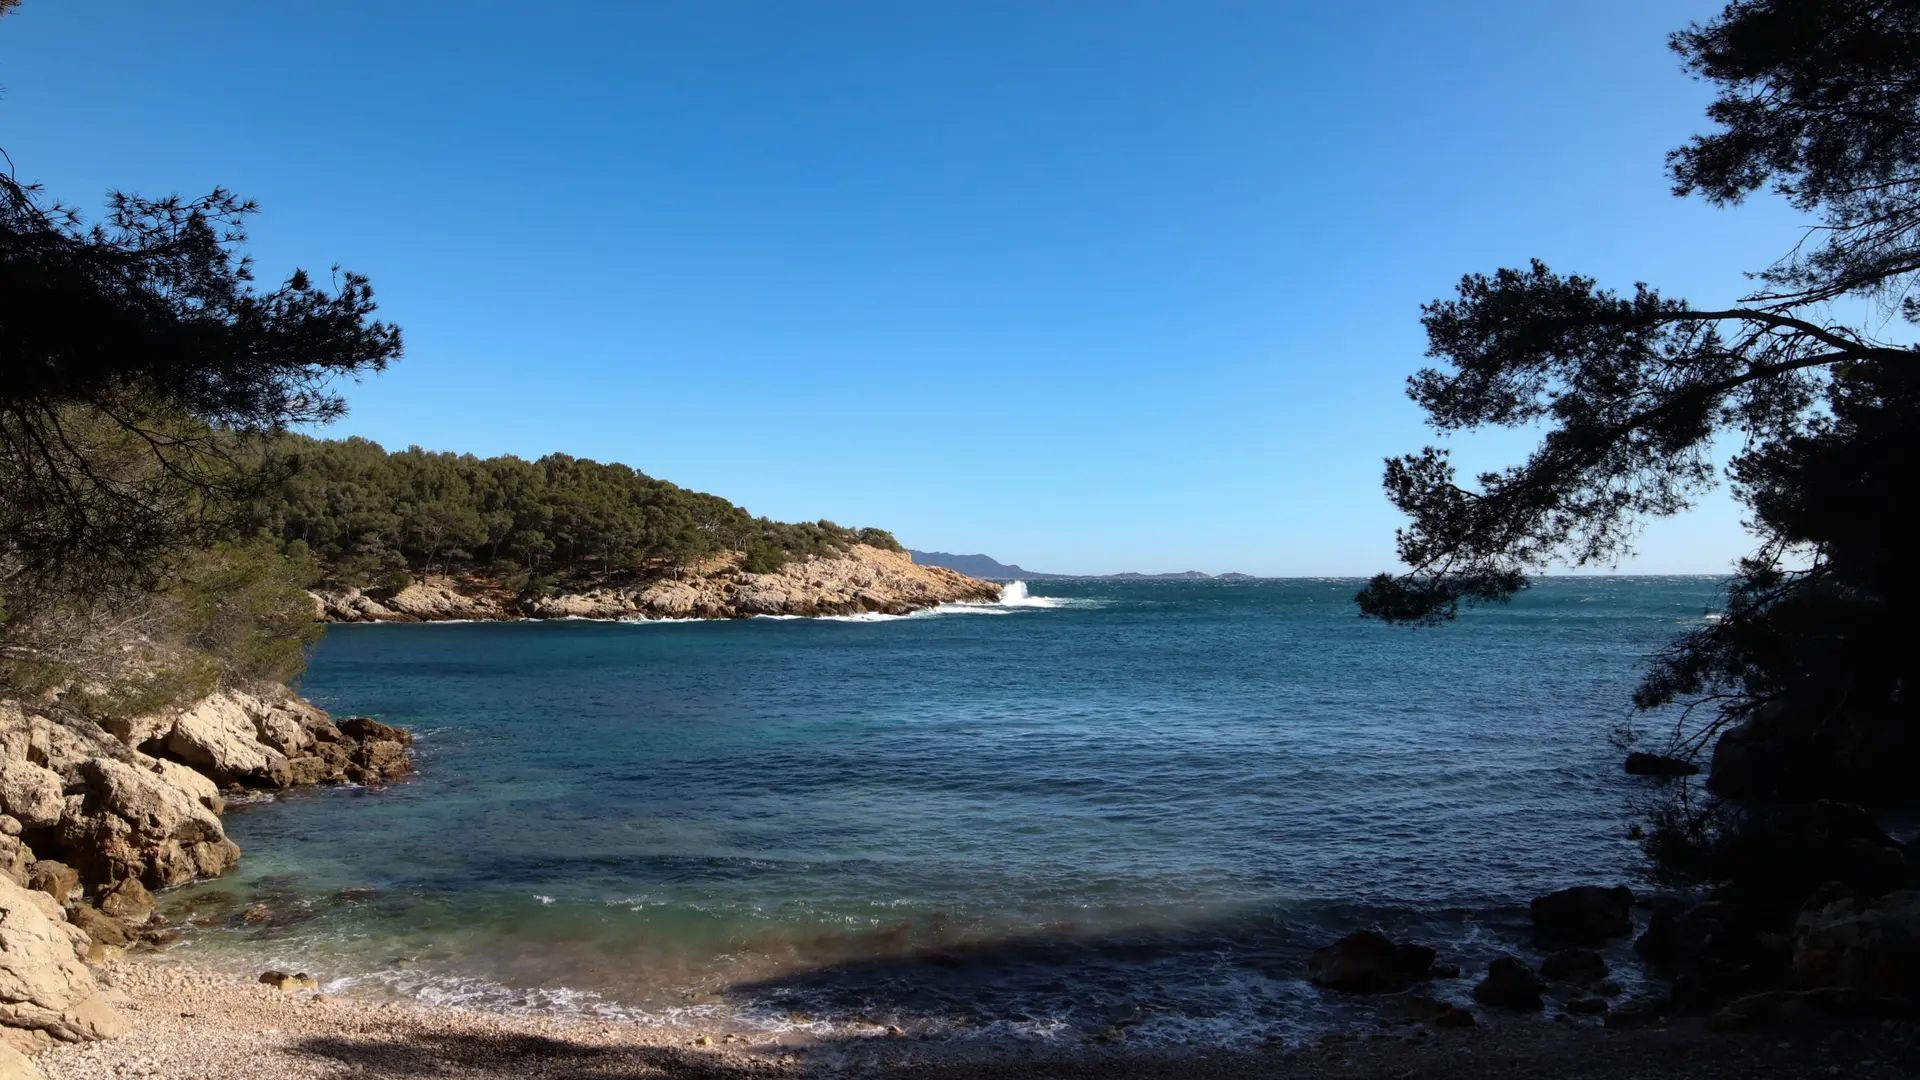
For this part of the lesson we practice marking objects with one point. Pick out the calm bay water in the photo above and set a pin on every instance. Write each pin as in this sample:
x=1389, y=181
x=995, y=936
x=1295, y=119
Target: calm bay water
x=1144, y=800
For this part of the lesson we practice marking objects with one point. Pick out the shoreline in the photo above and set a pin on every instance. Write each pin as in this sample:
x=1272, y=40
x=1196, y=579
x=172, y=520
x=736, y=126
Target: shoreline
x=186, y=1021
x=865, y=580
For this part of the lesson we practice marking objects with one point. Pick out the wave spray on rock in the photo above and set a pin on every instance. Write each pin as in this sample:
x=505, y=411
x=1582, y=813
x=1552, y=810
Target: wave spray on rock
x=1014, y=594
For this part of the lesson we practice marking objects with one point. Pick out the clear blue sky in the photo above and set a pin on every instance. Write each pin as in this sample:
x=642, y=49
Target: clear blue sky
x=1090, y=286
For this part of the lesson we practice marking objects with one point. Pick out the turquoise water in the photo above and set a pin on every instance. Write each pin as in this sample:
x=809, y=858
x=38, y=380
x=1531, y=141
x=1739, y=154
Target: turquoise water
x=1148, y=800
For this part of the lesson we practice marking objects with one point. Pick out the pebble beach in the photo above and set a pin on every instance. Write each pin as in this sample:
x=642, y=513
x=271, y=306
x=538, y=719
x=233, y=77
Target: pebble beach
x=189, y=1024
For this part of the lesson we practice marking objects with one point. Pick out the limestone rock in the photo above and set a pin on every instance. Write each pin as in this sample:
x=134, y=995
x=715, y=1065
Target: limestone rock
x=197, y=786
x=128, y=901
x=218, y=737
x=862, y=579
x=102, y=928
x=1584, y=915
x=366, y=728
x=43, y=985
x=15, y=1065
x=134, y=824
x=54, y=878
x=280, y=980
x=33, y=794
x=15, y=859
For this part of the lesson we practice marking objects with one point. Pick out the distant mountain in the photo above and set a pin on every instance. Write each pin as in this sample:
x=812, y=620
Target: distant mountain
x=979, y=566
x=982, y=566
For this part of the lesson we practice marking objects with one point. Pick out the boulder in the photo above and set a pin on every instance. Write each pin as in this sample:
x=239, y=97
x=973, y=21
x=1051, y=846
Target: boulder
x=128, y=901
x=44, y=987
x=54, y=878
x=378, y=759
x=15, y=1065
x=367, y=729
x=34, y=795
x=1640, y=764
x=1369, y=962
x=1866, y=945
x=1582, y=967
x=102, y=928
x=133, y=824
x=198, y=787
x=280, y=980
x=16, y=858
x=1426, y=1010
x=1584, y=915
x=1510, y=984
x=281, y=732
x=217, y=736
x=1589, y=1006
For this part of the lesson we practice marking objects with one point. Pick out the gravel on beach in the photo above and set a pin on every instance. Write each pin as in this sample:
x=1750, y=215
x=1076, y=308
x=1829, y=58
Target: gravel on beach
x=194, y=1025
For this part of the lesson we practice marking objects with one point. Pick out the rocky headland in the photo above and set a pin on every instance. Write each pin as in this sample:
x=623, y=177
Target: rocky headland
x=864, y=579
x=97, y=814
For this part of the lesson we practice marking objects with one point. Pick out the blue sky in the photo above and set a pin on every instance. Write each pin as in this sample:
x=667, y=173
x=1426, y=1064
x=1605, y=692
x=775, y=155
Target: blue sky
x=1086, y=286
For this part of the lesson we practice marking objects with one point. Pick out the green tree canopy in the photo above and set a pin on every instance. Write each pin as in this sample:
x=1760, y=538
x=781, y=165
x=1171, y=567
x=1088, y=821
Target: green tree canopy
x=366, y=513
x=136, y=350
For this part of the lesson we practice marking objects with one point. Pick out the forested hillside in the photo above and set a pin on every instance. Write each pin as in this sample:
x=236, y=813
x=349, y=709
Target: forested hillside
x=369, y=516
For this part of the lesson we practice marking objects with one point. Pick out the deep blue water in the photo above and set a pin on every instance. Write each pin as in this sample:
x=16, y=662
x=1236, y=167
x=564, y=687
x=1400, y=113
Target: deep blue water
x=1123, y=798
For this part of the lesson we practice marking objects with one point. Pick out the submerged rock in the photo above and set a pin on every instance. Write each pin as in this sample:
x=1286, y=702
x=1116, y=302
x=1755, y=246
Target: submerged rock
x=1369, y=962
x=1581, y=967
x=280, y=980
x=1583, y=915
x=1426, y=1010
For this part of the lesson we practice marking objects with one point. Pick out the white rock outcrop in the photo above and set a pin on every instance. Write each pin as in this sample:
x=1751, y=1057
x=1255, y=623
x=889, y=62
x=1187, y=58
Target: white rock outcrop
x=863, y=579
x=46, y=991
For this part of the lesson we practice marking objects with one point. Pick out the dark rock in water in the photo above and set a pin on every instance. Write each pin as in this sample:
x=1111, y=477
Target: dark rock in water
x=1581, y=967
x=1426, y=1010
x=1639, y=764
x=280, y=980
x=258, y=913
x=1444, y=971
x=1591, y=1006
x=1510, y=984
x=1584, y=915
x=365, y=729
x=1369, y=962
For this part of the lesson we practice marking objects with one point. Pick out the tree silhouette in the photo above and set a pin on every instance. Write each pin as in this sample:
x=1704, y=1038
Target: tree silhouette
x=1819, y=101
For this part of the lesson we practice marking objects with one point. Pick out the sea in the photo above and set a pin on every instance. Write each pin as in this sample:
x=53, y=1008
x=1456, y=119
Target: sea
x=1092, y=805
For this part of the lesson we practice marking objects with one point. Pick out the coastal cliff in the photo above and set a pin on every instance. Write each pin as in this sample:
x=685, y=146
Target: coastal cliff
x=95, y=814
x=863, y=579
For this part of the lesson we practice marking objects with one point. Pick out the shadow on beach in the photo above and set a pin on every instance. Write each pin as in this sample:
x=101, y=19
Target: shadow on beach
x=1521, y=1051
